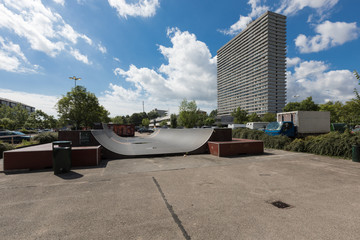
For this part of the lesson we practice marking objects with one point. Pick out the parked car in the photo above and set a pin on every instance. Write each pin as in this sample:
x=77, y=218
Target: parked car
x=13, y=136
x=145, y=130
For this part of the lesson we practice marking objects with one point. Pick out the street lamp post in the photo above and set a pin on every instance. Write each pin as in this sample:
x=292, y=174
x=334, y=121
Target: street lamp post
x=75, y=79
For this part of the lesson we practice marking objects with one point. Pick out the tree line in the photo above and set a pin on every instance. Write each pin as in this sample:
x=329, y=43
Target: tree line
x=80, y=108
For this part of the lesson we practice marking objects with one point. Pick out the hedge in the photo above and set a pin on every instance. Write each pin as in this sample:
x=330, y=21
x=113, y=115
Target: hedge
x=277, y=142
x=46, y=137
x=5, y=147
x=331, y=144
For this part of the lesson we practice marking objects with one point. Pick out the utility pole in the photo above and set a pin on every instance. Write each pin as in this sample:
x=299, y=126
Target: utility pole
x=143, y=107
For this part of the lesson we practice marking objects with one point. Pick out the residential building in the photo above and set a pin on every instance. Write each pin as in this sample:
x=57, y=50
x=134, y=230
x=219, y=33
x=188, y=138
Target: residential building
x=251, y=68
x=10, y=103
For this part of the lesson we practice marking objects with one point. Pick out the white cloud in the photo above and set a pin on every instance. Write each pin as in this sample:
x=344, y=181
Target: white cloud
x=12, y=59
x=102, y=49
x=287, y=7
x=142, y=8
x=67, y=32
x=41, y=102
x=291, y=7
x=190, y=73
x=313, y=78
x=44, y=29
x=290, y=62
x=329, y=35
x=256, y=11
x=80, y=57
x=61, y=2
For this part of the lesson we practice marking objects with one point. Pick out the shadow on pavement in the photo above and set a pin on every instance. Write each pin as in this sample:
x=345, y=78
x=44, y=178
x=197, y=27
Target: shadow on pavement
x=69, y=175
x=102, y=164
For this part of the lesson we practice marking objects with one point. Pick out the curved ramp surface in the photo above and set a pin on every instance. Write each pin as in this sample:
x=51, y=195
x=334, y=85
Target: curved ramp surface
x=162, y=141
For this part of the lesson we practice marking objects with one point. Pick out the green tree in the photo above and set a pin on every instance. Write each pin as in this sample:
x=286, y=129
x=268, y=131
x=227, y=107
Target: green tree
x=173, y=121
x=40, y=120
x=163, y=123
x=308, y=105
x=269, y=117
x=253, y=117
x=240, y=116
x=7, y=123
x=153, y=114
x=188, y=114
x=17, y=114
x=213, y=113
x=126, y=119
x=118, y=120
x=201, y=117
x=351, y=112
x=209, y=121
x=81, y=108
x=357, y=76
x=136, y=118
x=336, y=110
x=305, y=105
x=292, y=106
x=145, y=122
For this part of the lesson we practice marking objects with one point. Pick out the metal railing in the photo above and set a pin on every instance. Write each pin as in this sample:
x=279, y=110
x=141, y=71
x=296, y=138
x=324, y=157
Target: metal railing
x=12, y=137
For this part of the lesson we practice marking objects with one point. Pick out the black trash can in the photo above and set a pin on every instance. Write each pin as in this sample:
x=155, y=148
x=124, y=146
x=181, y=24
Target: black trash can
x=356, y=153
x=61, y=156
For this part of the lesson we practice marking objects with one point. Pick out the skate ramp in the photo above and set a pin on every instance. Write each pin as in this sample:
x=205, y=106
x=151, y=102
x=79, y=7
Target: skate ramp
x=162, y=141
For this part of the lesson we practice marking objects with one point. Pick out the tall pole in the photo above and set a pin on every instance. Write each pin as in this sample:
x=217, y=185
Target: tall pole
x=143, y=107
x=75, y=79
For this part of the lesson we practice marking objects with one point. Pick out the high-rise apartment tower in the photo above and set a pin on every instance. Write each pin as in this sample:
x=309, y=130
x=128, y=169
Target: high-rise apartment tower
x=251, y=68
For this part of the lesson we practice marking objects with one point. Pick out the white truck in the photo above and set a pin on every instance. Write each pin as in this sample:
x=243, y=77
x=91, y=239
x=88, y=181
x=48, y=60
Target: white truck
x=236, y=125
x=257, y=125
x=300, y=124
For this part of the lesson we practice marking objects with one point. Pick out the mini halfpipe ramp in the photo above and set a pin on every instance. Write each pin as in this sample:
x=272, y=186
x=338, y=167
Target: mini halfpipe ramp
x=162, y=141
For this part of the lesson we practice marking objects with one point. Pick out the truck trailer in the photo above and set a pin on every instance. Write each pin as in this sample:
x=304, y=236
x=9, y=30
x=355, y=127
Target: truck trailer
x=300, y=124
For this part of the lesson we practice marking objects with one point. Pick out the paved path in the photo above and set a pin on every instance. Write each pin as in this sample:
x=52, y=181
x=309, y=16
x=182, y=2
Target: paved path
x=191, y=197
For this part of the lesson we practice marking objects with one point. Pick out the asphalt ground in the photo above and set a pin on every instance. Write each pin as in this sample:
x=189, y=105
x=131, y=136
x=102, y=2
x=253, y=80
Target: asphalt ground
x=187, y=197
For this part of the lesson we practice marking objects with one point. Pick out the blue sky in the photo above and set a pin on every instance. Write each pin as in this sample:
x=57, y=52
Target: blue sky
x=162, y=51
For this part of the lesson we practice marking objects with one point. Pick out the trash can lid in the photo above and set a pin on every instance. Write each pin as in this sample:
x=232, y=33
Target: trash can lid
x=62, y=148
x=61, y=142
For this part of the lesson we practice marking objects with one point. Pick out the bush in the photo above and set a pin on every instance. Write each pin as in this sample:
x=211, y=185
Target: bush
x=298, y=145
x=26, y=143
x=28, y=131
x=332, y=144
x=5, y=147
x=277, y=142
x=246, y=133
x=46, y=137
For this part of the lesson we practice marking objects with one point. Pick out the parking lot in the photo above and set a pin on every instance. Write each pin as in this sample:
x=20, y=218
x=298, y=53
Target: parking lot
x=187, y=197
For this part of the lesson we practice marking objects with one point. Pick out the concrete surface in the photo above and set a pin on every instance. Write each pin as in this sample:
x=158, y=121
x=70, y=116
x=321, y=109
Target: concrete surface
x=187, y=197
x=162, y=141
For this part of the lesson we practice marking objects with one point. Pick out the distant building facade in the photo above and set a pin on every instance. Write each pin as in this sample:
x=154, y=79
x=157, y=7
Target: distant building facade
x=251, y=68
x=10, y=103
x=161, y=113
